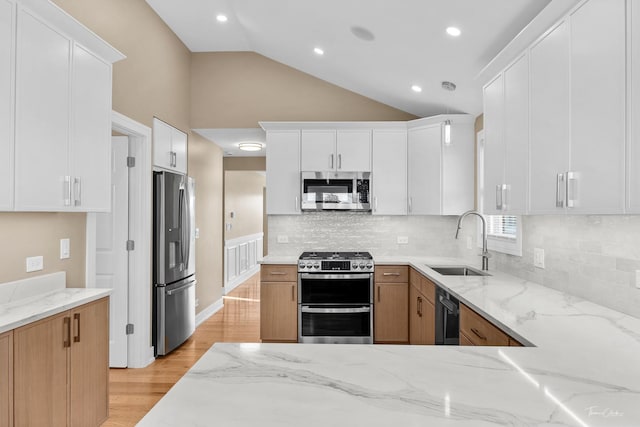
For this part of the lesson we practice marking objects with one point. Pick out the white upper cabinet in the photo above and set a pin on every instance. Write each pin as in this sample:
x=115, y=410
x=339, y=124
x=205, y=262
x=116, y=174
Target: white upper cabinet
x=506, y=124
x=353, y=150
x=283, y=172
x=43, y=179
x=62, y=141
x=633, y=116
x=169, y=147
x=342, y=150
x=318, y=150
x=597, y=175
x=494, y=151
x=550, y=120
x=91, y=130
x=7, y=43
x=440, y=175
x=389, y=172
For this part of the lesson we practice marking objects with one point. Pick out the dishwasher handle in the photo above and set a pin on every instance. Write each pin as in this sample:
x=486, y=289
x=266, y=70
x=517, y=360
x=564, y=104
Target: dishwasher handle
x=448, y=304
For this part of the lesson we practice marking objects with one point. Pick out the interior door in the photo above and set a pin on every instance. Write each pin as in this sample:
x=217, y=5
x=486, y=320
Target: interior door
x=112, y=258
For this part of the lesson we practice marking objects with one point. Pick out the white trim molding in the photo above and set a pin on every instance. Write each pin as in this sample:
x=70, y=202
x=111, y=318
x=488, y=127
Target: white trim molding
x=241, y=258
x=209, y=311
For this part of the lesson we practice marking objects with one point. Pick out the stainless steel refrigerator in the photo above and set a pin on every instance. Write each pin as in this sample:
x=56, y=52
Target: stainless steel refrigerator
x=174, y=270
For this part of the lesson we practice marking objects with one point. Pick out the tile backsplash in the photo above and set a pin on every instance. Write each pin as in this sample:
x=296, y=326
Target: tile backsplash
x=349, y=231
x=593, y=257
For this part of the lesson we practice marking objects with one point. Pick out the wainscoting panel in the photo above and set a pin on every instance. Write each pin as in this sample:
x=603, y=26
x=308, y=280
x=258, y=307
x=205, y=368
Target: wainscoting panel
x=241, y=257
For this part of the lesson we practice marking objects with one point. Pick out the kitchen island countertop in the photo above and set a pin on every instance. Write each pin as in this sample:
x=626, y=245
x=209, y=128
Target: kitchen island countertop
x=582, y=370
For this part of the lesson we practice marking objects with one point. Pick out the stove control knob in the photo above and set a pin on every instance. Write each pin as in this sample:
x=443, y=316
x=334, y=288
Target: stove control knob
x=354, y=266
x=316, y=266
x=362, y=265
x=369, y=266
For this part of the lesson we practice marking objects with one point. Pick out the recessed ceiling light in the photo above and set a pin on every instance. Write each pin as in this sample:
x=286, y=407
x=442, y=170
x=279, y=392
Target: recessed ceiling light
x=453, y=31
x=318, y=51
x=222, y=18
x=416, y=88
x=250, y=146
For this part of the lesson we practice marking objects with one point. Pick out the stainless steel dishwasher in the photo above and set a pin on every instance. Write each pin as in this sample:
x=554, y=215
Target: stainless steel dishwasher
x=447, y=318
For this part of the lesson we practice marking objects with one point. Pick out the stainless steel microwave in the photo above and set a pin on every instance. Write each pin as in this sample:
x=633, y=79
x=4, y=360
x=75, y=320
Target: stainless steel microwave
x=335, y=191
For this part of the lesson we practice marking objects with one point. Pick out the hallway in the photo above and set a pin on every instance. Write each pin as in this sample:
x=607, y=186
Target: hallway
x=133, y=392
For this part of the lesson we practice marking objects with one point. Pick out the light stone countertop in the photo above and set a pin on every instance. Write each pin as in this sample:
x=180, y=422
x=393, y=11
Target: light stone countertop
x=26, y=301
x=583, y=371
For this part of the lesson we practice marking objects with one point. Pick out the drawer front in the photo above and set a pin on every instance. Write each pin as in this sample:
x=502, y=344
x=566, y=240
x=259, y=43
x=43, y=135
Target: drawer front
x=392, y=274
x=479, y=330
x=278, y=273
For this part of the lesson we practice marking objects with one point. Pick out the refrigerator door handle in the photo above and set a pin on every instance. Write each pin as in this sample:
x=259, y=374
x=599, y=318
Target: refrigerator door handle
x=187, y=240
x=183, y=221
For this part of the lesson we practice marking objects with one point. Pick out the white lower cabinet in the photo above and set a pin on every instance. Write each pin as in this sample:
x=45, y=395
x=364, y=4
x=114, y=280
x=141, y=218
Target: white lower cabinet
x=283, y=172
x=440, y=175
x=62, y=120
x=389, y=173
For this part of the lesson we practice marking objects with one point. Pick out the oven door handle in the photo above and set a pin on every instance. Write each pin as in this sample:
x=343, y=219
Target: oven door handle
x=313, y=276
x=365, y=309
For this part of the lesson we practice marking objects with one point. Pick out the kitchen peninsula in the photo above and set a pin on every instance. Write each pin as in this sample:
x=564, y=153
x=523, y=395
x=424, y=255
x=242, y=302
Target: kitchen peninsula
x=582, y=370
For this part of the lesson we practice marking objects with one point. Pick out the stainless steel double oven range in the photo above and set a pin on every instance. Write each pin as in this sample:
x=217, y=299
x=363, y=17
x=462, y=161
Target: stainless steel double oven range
x=335, y=297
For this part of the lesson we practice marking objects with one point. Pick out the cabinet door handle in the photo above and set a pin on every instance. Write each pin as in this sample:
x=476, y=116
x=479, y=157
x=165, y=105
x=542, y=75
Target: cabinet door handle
x=420, y=306
x=410, y=204
x=293, y=292
x=331, y=161
x=67, y=190
x=478, y=334
x=339, y=161
x=505, y=193
x=498, y=197
x=77, y=191
x=571, y=182
x=296, y=207
x=390, y=274
x=375, y=204
x=67, y=332
x=378, y=293
x=559, y=187
x=76, y=321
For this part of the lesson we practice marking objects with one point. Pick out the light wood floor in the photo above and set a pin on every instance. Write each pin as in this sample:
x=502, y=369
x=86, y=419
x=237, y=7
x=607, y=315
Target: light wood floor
x=133, y=392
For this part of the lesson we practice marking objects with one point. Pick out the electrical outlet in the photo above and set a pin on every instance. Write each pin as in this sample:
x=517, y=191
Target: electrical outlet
x=403, y=240
x=469, y=242
x=64, y=249
x=538, y=257
x=283, y=239
x=35, y=263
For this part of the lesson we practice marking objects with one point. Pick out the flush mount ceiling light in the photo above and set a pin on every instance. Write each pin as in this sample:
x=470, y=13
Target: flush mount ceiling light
x=362, y=33
x=318, y=51
x=416, y=88
x=453, y=31
x=250, y=146
x=222, y=18
x=448, y=86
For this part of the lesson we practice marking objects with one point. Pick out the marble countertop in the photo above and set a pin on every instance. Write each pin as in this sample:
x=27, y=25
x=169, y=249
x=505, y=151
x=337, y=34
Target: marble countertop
x=583, y=371
x=26, y=301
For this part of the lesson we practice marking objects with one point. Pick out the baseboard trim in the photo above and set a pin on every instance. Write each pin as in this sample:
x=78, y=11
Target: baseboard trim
x=237, y=281
x=209, y=311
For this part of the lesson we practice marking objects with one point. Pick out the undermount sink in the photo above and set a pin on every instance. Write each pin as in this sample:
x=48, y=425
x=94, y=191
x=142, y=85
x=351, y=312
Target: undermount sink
x=457, y=270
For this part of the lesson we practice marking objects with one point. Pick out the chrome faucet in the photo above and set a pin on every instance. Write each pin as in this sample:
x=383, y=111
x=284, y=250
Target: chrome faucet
x=485, y=254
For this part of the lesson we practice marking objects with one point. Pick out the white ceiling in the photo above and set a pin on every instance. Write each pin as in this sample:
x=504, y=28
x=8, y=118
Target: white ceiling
x=410, y=45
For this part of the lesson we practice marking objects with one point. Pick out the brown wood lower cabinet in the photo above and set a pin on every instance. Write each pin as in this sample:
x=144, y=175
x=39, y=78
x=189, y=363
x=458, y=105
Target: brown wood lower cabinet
x=422, y=312
x=61, y=368
x=476, y=330
x=278, y=303
x=6, y=379
x=391, y=305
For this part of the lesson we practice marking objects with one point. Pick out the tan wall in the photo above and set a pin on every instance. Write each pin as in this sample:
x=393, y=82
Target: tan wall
x=33, y=234
x=205, y=166
x=245, y=163
x=238, y=89
x=243, y=192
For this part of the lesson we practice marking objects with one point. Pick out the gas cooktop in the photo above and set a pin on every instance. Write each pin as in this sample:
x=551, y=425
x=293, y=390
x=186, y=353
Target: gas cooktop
x=323, y=262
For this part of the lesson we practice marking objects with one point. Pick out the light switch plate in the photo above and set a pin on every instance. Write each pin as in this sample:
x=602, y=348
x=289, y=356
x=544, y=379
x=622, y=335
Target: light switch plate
x=538, y=257
x=35, y=263
x=197, y=233
x=283, y=239
x=64, y=249
x=403, y=240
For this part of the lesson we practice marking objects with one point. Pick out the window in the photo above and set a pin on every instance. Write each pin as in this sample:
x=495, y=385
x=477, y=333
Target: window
x=502, y=226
